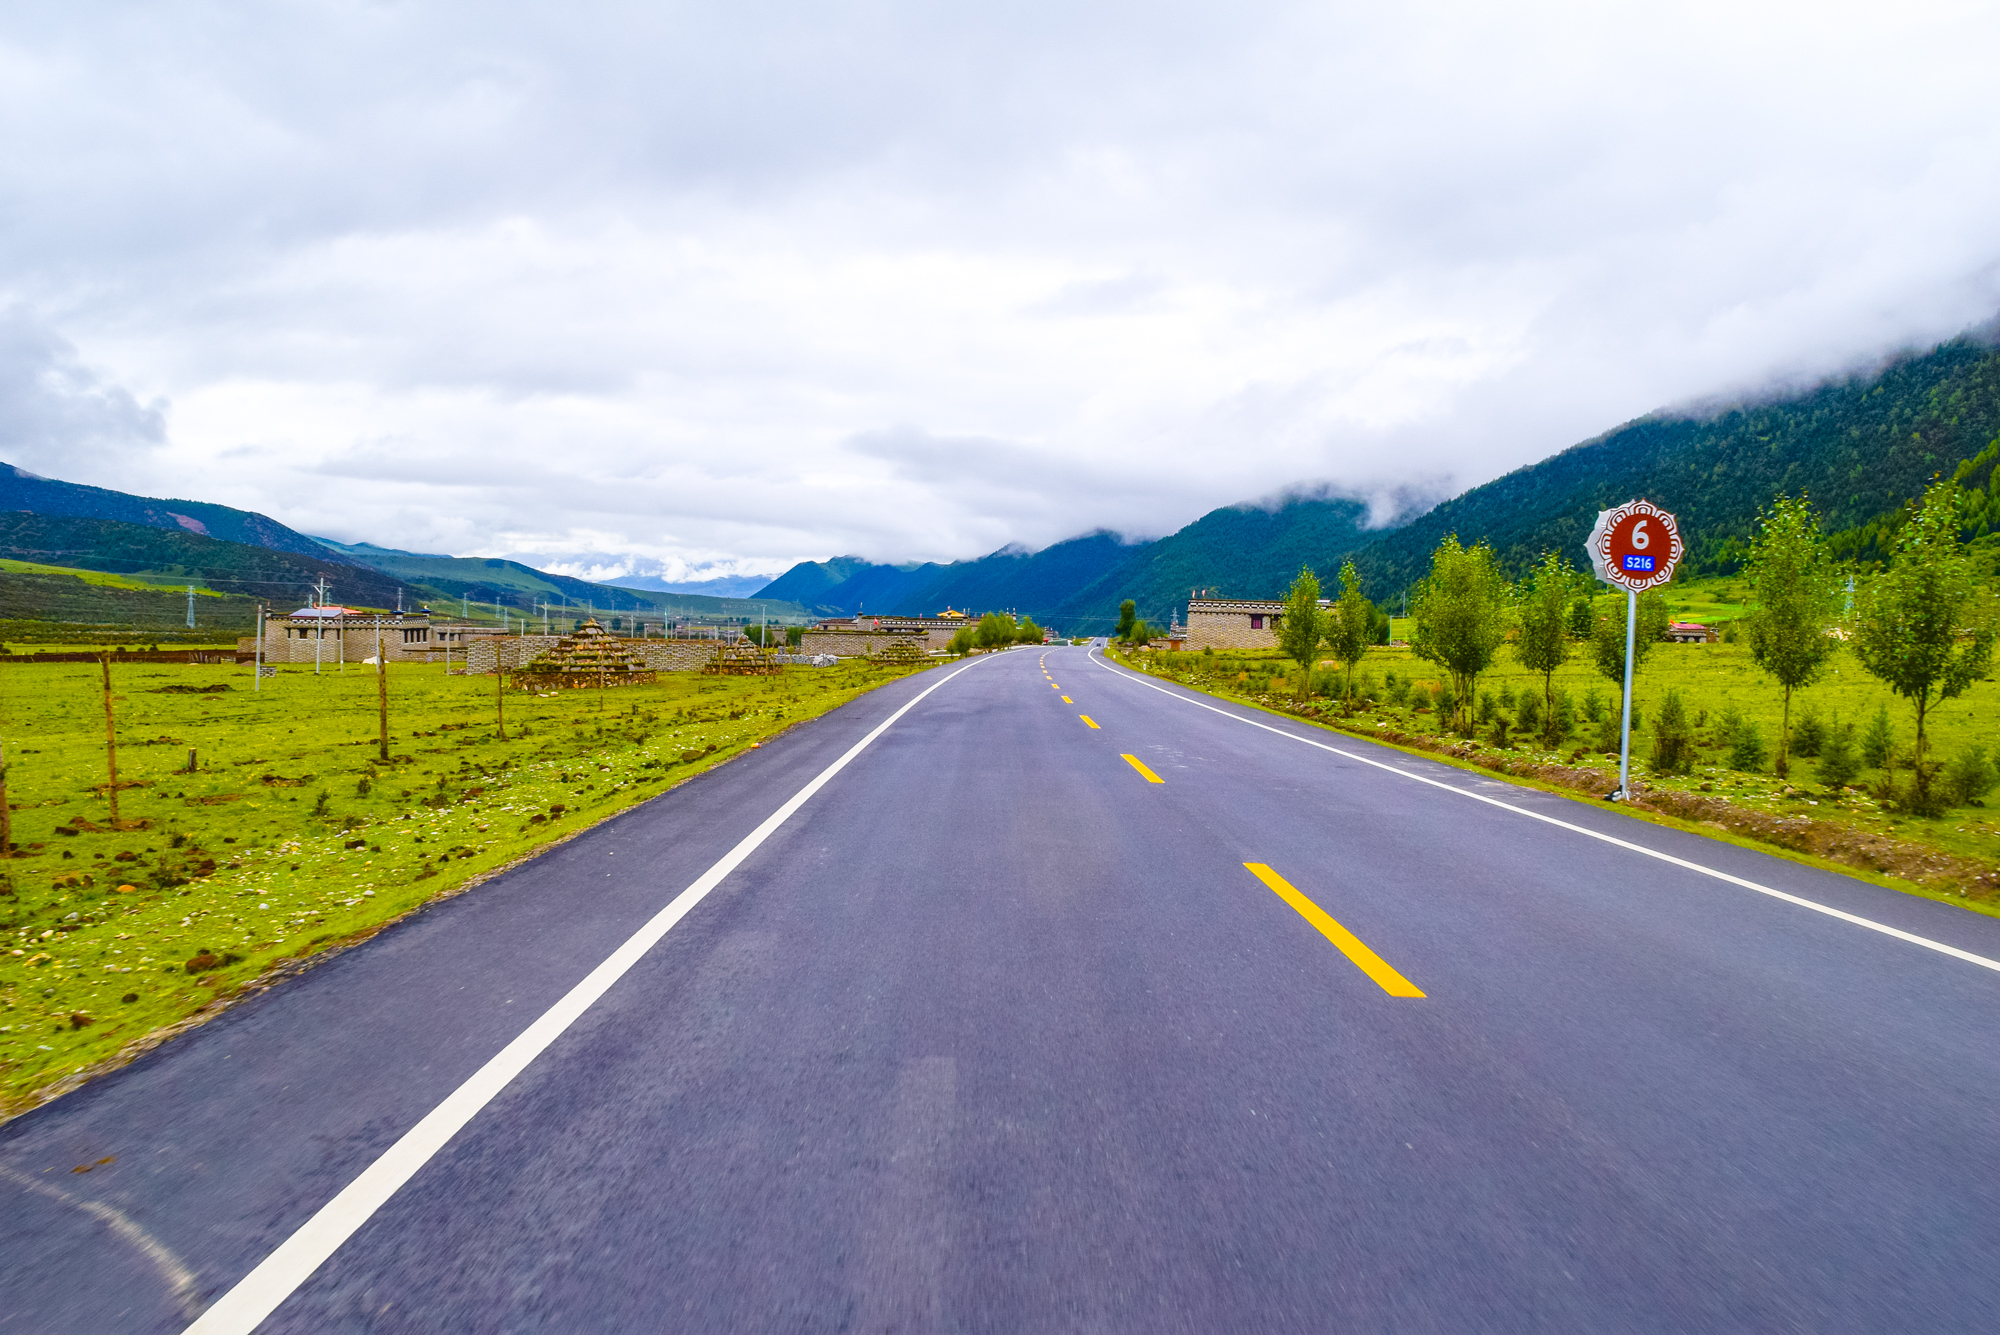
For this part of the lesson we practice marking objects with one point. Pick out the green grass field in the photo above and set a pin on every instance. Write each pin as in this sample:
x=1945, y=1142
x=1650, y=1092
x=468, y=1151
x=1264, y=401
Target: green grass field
x=1713, y=679
x=290, y=836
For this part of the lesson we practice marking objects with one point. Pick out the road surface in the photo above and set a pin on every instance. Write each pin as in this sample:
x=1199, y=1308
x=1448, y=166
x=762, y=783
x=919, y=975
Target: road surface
x=1072, y=1002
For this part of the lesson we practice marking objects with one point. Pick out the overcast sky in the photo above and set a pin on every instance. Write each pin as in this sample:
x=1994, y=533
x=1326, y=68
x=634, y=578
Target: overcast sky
x=712, y=289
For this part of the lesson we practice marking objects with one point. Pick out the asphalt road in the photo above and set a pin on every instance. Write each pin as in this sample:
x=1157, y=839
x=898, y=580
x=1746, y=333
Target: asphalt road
x=995, y=1033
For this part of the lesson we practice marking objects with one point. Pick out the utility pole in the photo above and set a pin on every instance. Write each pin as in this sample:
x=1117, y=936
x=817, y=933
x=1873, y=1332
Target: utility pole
x=257, y=682
x=110, y=740
x=382, y=691
x=190, y=607
x=499, y=692
x=465, y=607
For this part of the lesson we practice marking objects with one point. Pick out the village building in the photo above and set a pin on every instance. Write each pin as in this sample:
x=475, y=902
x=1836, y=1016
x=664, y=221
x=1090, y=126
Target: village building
x=334, y=634
x=1691, y=632
x=1234, y=623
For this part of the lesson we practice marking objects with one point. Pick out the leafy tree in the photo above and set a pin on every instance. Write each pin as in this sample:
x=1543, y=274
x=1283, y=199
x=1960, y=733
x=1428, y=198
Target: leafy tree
x=1350, y=630
x=1460, y=616
x=1799, y=595
x=1140, y=633
x=1582, y=619
x=1028, y=632
x=995, y=629
x=1303, y=625
x=962, y=641
x=1544, y=643
x=1607, y=645
x=1128, y=612
x=1921, y=626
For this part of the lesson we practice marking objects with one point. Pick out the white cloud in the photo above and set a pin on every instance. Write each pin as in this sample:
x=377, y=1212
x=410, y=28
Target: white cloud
x=706, y=290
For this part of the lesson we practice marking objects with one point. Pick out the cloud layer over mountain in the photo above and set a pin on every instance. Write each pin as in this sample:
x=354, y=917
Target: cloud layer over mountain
x=705, y=290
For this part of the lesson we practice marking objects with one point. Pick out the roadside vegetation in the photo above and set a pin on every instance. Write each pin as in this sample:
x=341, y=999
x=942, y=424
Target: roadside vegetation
x=1862, y=734
x=289, y=836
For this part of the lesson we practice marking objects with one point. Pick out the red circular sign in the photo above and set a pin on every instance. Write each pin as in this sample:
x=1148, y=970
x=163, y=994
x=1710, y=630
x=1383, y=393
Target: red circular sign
x=1635, y=546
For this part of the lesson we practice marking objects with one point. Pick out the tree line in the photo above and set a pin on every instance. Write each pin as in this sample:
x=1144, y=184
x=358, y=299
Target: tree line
x=1922, y=626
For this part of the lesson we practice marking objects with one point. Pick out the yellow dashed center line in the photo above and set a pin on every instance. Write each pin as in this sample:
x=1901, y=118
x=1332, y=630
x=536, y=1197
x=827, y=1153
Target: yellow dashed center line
x=1350, y=945
x=1068, y=701
x=1088, y=719
x=1140, y=765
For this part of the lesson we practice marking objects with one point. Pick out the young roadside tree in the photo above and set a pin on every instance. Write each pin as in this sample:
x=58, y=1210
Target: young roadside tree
x=1302, y=627
x=1921, y=625
x=1459, y=618
x=961, y=641
x=1028, y=632
x=995, y=630
x=1350, y=625
x=1128, y=612
x=1607, y=642
x=1140, y=634
x=1544, y=644
x=1799, y=594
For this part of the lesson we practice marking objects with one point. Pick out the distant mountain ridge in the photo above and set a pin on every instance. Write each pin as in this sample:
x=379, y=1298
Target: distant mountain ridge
x=1240, y=551
x=1859, y=445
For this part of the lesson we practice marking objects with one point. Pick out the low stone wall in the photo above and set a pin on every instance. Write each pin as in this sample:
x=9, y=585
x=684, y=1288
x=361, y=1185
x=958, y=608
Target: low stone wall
x=478, y=656
x=862, y=643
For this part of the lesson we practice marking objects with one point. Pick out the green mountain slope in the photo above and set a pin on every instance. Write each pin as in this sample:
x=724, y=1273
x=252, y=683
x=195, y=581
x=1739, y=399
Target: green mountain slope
x=283, y=579
x=522, y=589
x=1240, y=551
x=1858, y=446
x=22, y=490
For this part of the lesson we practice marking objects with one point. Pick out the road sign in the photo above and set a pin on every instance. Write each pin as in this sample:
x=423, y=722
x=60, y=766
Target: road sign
x=1635, y=546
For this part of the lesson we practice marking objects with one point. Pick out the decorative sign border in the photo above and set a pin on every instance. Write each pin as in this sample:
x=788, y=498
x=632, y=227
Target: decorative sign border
x=1599, y=546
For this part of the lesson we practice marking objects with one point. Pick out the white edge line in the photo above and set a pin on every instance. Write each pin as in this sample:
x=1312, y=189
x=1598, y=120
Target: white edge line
x=1831, y=912
x=258, y=1294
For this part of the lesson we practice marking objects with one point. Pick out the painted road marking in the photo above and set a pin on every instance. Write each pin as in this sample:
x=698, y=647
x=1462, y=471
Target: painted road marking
x=1854, y=919
x=1350, y=945
x=1140, y=765
x=258, y=1294
x=1068, y=701
x=1088, y=719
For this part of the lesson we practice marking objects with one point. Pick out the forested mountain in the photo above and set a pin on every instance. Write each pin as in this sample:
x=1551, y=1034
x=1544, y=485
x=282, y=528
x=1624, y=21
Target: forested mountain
x=22, y=490
x=1244, y=551
x=282, y=578
x=1859, y=446
x=486, y=579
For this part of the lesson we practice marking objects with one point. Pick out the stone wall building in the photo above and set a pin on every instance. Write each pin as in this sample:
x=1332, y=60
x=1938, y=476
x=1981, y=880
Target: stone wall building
x=342, y=634
x=1235, y=623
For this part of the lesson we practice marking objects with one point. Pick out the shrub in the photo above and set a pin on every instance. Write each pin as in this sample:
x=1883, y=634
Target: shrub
x=1746, y=749
x=1593, y=705
x=1398, y=690
x=1489, y=705
x=1967, y=776
x=1528, y=712
x=1727, y=724
x=1505, y=697
x=1673, y=738
x=1808, y=734
x=1879, y=740
x=1838, y=764
x=1443, y=700
x=1497, y=733
x=1563, y=721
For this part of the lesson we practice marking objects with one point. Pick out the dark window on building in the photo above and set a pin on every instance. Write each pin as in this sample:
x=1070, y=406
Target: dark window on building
x=1256, y=621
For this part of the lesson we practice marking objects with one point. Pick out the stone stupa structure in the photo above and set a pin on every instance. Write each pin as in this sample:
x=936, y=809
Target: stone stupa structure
x=592, y=657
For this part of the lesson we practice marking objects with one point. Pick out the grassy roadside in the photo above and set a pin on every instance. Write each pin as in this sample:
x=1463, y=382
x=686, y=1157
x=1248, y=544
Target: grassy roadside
x=290, y=837
x=1955, y=857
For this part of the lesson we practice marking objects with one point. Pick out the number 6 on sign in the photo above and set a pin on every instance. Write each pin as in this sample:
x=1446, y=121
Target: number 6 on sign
x=1635, y=546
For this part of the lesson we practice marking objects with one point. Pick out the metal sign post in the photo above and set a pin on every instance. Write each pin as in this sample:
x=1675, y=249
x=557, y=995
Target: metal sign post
x=1634, y=546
